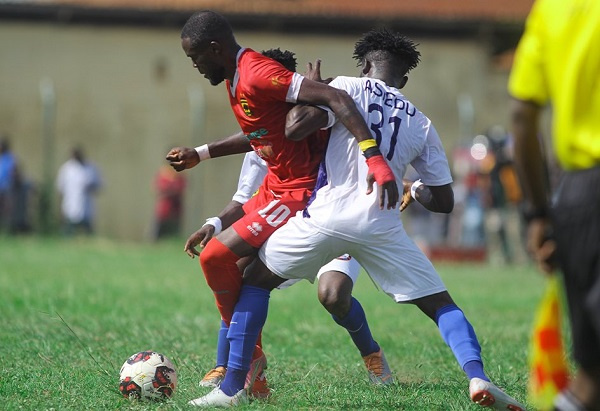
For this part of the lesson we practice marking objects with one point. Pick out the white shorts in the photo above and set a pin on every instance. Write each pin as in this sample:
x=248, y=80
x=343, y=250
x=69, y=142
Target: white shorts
x=343, y=264
x=299, y=249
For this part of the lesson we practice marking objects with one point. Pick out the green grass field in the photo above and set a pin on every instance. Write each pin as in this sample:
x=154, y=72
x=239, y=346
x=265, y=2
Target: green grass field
x=72, y=312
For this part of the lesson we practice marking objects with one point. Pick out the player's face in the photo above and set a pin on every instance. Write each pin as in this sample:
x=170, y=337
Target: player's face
x=206, y=61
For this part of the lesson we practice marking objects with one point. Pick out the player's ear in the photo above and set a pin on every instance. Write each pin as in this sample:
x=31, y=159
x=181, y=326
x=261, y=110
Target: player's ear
x=366, y=67
x=403, y=82
x=215, y=47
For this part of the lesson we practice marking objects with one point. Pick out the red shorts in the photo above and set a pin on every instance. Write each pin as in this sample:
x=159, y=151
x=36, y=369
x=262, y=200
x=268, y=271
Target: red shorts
x=266, y=212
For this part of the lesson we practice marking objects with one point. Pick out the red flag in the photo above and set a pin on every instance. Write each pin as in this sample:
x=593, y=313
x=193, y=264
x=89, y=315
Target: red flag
x=549, y=372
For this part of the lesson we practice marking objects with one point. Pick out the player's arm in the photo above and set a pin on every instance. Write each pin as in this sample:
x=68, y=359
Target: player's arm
x=344, y=108
x=251, y=176
x=439, y=199
x=182, y=158
x=303, y=120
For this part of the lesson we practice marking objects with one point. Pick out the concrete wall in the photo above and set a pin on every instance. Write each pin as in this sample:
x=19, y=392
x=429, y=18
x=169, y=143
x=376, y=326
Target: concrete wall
x=127, y=95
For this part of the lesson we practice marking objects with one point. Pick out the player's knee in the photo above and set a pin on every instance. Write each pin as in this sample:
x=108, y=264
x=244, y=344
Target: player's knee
x=335, y=301
x=219, y=264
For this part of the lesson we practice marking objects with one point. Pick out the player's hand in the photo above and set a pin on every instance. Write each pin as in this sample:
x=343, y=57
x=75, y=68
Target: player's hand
x=181, y=158
x=406, y=197
x=380, y=173
x=314, y=72
x=199, y=238
x=541, y=246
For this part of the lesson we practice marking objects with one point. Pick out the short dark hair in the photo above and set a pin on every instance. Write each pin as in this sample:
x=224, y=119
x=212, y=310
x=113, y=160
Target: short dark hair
x=285, y=58
x=383, y=44
x=205, y=26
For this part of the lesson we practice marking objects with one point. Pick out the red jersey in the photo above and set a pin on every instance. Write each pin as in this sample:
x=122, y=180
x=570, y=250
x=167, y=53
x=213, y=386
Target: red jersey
x=258, y=99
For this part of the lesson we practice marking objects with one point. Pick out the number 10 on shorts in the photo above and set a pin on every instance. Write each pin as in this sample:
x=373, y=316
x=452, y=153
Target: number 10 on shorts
x=275, y=213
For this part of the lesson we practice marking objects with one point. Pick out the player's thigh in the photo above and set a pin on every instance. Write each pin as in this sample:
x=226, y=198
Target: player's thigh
x=297, y=250
x=399, y=267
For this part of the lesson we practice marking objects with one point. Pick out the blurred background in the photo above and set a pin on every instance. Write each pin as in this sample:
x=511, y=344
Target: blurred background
x=107, y=80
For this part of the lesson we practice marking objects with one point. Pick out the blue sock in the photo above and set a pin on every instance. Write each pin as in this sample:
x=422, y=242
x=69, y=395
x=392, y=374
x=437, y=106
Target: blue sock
x=222, y=346
x=355, y=322
x=249, y=317
x=458, y=333
x=234, y=381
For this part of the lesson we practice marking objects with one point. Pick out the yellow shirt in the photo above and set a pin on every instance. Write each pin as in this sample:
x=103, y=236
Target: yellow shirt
x=558, y=61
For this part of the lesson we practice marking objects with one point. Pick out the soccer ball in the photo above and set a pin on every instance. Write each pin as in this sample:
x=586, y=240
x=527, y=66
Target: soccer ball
x=148, y=375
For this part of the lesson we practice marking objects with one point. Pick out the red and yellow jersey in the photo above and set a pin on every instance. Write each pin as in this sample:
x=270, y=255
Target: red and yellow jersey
x=261, y=96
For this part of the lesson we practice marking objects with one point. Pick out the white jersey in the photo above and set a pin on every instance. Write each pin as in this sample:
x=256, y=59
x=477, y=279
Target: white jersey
x=251, y=177
x=344, y=219
x=404, y=135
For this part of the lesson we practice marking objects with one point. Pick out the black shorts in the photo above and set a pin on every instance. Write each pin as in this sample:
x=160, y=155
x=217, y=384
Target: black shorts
x=576, y=216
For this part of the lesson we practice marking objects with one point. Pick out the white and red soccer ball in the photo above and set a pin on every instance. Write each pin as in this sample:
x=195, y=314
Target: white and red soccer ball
x=148, y=375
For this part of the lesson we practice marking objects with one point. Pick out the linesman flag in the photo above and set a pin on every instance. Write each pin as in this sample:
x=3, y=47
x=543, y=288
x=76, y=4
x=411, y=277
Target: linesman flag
x=549, y=372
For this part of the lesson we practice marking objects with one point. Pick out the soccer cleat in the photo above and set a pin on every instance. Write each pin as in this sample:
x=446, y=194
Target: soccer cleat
x=256, y=381
x=379, y=370
x=214, y=377
x=217, y=398
x=486, y=394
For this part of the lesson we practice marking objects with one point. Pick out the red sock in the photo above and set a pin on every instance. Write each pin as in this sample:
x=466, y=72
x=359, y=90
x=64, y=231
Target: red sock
x=222, y=276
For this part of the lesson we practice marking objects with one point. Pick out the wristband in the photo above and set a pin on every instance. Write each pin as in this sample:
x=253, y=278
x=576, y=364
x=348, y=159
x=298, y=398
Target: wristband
x=366, y=144
x=216, y=223
x=380, y=169
x=203, y=152
x=413, y=188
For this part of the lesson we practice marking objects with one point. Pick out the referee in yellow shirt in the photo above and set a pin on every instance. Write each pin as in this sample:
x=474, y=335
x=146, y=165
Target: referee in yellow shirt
x=558, y=63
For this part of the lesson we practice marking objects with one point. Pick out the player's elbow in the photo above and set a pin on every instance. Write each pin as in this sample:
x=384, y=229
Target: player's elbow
x=443, y=197
x=301, y=121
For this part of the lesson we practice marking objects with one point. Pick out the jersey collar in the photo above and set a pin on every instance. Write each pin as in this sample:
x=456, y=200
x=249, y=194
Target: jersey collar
x=236, y=76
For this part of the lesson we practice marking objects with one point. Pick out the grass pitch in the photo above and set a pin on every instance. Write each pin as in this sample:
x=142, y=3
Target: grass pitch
x=72, y=311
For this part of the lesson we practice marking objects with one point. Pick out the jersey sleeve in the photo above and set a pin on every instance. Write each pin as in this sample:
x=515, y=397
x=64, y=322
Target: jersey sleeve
x=525, y=81
x=342, y=83
x=432, y=164
x=272, y=81
x=252, y=175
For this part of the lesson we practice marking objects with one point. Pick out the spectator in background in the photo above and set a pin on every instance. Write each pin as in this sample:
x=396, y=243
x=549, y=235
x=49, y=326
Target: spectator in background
x=23, y=188
x=558, y=62
x=8, y=164
x=170, y=188
x=501, y=193
x=77, y=183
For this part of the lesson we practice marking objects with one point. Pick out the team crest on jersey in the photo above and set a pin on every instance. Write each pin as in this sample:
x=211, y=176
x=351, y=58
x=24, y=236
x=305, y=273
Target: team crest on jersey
x=245, y=106
x=275, y=81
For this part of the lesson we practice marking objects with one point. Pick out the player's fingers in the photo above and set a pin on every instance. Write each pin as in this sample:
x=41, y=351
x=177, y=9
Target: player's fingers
x=318, y=66
x=392, y=194
x=172, y=155
x=382, y=192
x=406, y=200
x=189, y=247
x=177, y=165
x=370, y=181
x=205, y=241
